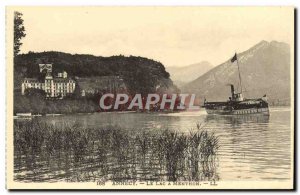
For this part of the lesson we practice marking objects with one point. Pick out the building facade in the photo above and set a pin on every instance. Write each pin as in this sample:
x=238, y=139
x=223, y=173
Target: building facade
x=54, y=87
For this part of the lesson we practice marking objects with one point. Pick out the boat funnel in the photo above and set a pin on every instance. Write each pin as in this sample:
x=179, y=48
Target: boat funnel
x=232, y=91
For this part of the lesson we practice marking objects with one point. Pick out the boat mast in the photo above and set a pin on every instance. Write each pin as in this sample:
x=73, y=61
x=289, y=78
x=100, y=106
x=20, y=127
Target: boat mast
x=237, y=61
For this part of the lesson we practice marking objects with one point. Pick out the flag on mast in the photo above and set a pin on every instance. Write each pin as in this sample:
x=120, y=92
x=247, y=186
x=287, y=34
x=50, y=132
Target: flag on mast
x=234, y=58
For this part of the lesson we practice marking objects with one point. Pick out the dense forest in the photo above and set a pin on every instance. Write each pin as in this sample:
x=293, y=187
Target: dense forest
x=140, y=75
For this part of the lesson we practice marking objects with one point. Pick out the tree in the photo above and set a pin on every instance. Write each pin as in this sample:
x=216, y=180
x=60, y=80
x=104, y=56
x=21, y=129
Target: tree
x=19, y=32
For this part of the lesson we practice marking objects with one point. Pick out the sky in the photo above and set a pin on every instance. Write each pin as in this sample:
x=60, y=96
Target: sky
x=174, y=36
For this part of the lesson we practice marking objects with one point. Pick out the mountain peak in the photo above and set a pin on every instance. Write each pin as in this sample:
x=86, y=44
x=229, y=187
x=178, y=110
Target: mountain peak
x=271, y=43
x=259, y=45
x=280, y=44
x=182, y=74
x=265, y=68
x=263, y=42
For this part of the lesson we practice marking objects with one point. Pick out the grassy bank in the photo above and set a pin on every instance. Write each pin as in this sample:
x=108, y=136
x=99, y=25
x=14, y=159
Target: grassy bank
x=40, y=105
x=44, y=152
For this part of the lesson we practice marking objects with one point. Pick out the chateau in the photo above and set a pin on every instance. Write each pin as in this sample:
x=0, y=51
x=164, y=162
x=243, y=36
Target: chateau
x=54, y=87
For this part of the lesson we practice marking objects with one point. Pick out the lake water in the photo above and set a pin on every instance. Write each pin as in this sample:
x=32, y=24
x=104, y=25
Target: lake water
x=252, y=147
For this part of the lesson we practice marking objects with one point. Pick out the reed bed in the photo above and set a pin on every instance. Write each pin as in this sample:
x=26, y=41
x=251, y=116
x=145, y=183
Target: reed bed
x=71, y=153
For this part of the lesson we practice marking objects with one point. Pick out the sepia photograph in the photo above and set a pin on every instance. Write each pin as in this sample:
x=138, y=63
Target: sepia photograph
x=150, y=98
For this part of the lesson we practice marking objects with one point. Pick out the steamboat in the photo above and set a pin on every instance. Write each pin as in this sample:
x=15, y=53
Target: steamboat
x=237, y=104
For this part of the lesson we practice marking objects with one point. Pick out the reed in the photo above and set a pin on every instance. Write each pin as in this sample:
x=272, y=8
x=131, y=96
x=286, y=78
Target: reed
x=71, y=152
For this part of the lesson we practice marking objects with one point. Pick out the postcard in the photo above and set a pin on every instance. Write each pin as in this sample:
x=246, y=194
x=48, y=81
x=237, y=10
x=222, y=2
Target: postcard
x=151, y=98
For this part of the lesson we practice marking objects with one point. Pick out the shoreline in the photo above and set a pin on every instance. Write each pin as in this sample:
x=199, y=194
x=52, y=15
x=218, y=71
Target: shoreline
x=23, y=116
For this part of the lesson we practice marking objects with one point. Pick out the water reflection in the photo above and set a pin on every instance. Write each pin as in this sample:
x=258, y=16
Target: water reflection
x=251, y=147
x=237, y=120
x=73, y=154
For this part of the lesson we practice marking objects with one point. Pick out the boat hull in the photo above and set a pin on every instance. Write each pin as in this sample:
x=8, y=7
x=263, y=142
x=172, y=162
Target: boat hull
x=264, y=111
x=249, y=106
